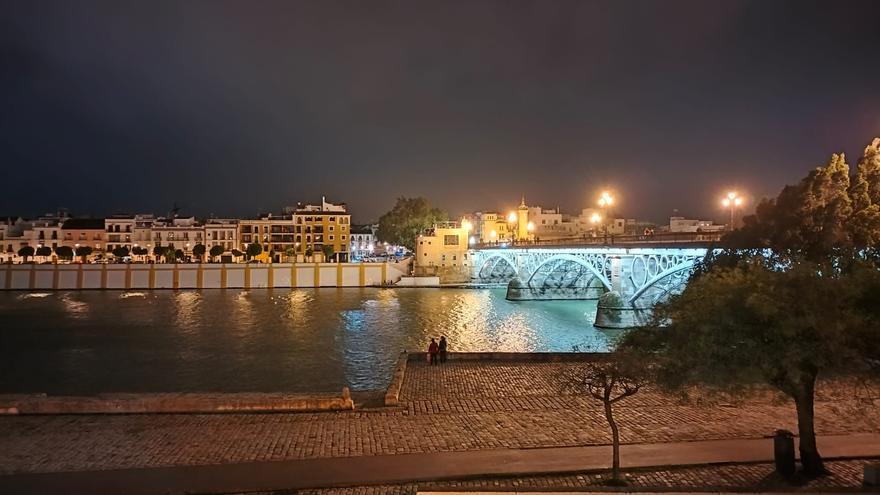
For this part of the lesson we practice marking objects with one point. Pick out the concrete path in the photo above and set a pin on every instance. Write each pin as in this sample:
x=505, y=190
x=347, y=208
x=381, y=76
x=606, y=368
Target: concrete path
x=387, y=469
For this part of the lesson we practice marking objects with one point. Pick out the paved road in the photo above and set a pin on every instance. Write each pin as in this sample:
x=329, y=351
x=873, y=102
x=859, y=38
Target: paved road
x=311, y=473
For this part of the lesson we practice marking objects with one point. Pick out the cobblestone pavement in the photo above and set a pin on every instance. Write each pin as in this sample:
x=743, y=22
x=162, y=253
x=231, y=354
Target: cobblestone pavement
x=735, y=477
x=459, y=406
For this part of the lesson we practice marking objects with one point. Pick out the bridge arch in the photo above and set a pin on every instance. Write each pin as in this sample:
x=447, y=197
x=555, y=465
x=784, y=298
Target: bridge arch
x=560, y=258
x=659, y=277
x=497, y=268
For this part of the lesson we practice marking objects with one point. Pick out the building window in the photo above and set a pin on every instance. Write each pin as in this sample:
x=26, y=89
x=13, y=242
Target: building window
x=450, y=240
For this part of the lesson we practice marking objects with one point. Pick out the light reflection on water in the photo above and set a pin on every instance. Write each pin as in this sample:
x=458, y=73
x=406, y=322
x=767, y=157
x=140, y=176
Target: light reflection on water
x=262, y=340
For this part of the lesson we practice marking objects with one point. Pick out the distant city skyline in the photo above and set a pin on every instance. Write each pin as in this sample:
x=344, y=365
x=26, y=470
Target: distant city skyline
x=233, y=109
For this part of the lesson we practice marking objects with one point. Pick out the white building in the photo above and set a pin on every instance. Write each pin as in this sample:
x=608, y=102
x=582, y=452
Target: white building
x=179, y=233
x=363, y=241
x=682, y=224
x=221, y=232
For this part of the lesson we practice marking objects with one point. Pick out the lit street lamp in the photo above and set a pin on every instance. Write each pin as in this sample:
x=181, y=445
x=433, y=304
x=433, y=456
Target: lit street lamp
x=605, y=202
x=732, y=201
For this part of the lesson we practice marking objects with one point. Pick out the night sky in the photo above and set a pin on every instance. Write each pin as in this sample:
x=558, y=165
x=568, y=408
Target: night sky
x=232, y=108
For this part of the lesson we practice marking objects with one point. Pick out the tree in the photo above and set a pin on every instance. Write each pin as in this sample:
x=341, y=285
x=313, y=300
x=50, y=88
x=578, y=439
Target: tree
x=159, y=251
x=409, y=218
x=254, y=249
x=83, y=252
x=327, y=249
x=64, y=252
x=290, y=253
x=758, y=323
x=44, y=251
x=827, y=215
x=608, y=380
x=179, y=254
x=139, y=251
x=309, y=253
x=199, y=251
x=120, y=252
x=26, y=252
x=236, y=253
x=216, y=250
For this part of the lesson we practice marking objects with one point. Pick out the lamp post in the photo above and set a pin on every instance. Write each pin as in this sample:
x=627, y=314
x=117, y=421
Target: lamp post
x=732, y=201
x=605, y=202
x=511, y=219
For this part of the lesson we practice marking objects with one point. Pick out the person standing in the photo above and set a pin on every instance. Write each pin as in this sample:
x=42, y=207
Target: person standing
x=442, y=347
x=433, y=349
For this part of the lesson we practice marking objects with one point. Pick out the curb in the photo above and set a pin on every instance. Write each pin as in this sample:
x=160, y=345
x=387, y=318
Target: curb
x=392, y=394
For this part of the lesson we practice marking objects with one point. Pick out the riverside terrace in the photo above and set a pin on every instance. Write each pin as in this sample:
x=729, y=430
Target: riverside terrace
x=472, y=418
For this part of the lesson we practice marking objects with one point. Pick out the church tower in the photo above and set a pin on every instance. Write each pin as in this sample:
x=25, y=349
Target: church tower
x=522, y=220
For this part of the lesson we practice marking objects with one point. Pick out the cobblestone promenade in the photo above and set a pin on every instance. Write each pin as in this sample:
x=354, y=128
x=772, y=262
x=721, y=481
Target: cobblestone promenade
x=458, y=406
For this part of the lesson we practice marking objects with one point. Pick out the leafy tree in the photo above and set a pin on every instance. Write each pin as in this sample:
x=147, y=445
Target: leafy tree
x=199, y=251
x=179, y=254
x=120, y=252
x=44, y=251
x=757, y=323
x=64, y=252
x=236, y=253
x=159, y=251
x=289, y=253
x=309, y=252
x=216, y=250
x=84, y=252
x=826, y=216
x=327, y=249
x=26, y=252
x=608, y=381
x=254, y=249
x=139, y=251
x=409, y=218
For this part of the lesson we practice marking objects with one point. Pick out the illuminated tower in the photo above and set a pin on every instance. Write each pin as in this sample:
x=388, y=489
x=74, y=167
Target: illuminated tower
x=522, y=223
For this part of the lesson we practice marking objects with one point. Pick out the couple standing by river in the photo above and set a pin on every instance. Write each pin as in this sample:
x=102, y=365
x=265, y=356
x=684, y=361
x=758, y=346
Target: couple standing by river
x=436, y=350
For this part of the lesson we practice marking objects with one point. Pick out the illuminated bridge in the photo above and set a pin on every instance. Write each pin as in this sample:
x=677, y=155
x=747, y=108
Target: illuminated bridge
x=627, y=281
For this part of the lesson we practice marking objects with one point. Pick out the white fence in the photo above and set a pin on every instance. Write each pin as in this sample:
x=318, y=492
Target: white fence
x=198, y=275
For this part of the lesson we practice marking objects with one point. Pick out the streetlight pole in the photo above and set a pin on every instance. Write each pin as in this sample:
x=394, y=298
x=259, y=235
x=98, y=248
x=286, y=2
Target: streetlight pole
x=605, y=202
x=731, y=201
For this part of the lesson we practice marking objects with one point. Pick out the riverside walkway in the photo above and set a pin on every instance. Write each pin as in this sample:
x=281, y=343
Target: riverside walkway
x=459, y=413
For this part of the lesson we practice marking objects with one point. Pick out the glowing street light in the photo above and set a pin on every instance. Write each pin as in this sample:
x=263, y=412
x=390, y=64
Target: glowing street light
x=466, y=225
x=595, y=218
x=511, y=217
x=530, y=227
x=606, y=199
x=732, y=201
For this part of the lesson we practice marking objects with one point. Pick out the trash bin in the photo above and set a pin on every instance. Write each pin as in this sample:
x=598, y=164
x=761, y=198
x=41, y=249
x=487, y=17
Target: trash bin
x=783, y=452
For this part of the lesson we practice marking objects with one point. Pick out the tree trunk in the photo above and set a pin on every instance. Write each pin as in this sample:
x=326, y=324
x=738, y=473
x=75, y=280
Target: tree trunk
x=615, y=442
x=811, y=461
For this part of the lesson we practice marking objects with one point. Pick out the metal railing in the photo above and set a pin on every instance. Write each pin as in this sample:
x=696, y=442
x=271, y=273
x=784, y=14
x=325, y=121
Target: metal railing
x=657, y=239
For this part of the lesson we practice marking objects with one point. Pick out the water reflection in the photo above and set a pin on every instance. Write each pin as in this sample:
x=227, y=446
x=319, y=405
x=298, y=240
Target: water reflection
x=262, y=340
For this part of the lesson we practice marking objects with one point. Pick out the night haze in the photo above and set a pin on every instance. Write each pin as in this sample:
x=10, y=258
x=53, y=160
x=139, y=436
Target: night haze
x=233, y=108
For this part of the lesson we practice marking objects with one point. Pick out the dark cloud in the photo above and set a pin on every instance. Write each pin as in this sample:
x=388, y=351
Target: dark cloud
x=233, y=108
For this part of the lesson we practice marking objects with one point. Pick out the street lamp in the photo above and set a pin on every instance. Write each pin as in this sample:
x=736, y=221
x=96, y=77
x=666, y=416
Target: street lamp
x=605, y=202
x=732, y=201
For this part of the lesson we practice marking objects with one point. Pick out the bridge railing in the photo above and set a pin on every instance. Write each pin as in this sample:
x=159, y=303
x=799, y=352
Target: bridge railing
x=662, y=238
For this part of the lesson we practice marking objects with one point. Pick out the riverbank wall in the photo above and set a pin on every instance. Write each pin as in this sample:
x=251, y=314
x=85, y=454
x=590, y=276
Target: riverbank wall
x=78, y=276
x=180, y=403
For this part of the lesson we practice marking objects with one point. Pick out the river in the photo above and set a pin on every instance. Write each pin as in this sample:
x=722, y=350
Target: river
x=300, y=340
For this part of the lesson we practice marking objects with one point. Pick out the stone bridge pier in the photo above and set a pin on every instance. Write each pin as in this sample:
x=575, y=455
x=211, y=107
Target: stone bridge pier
x=627, y=282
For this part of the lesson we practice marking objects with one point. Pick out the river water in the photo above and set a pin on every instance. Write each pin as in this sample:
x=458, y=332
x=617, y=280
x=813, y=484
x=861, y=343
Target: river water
x=301, y=340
